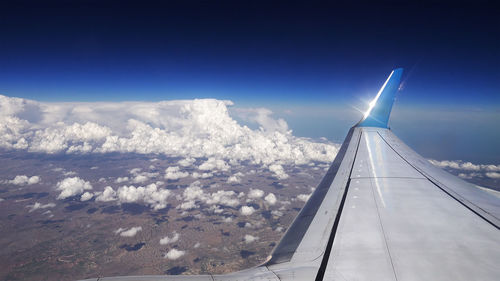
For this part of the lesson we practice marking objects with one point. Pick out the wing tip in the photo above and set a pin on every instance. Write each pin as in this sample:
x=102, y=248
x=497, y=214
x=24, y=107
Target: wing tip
x=379, y=110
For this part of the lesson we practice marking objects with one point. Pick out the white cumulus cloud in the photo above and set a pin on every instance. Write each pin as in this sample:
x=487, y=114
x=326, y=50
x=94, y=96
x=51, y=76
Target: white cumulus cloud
x=86, y=196
x=24, y=180
x=194, y=192
x=174, y=254
x=38, y=205
x=150, y=195
x=121, y=179
x=250, y=238
x=174, y=173
x=72, y=186
x=247, y=210
x=131, y=232
x=193, y=129
x=255, y=193
x=214, y=164
x=109, y=194
x=466, y=166
x=166, y=240
x=186, y=162
x=493, y=175
x=197, y=175
x=469, y=170
x=278, y=171
x=271, y=199
x=303, y=197
x=236, y=178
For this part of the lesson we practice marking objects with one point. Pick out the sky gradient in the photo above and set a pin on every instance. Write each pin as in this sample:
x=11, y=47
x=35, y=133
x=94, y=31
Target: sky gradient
x=280, y=55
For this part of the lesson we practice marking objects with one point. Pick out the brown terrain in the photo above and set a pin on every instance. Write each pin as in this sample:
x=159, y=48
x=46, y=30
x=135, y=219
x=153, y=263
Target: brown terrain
x=77, y=240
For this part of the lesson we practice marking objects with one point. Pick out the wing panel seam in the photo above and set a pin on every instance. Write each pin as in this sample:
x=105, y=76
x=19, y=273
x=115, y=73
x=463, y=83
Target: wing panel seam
x=383, y=231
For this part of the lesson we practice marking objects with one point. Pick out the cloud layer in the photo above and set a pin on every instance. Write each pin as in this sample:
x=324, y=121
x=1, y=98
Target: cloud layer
x=469, y=170
x=185, y=128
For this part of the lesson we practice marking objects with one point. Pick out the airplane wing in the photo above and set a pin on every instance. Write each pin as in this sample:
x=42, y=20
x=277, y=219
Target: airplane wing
x=382, y=212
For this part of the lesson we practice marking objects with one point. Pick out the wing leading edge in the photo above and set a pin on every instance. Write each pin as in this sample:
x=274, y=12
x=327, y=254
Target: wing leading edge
x=382, y=212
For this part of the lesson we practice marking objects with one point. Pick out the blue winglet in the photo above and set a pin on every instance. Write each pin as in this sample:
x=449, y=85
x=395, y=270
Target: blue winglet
x=380, y=107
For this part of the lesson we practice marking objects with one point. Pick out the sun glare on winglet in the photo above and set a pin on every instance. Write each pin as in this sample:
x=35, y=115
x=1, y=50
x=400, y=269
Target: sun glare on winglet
x=374, y=101
x=379, y=109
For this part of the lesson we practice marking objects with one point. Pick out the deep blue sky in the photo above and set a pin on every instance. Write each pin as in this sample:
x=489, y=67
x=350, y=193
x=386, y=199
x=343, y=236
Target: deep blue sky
x=272, y=54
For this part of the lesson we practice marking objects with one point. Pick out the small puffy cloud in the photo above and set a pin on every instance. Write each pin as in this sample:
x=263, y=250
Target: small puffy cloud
x=213, y=164
x=86, y=196
x=72, y=187
x=135, y=171
x=121, y=179
x=249, y=238
x=33, y=180
x=278, y=171
x=270, y=198
x=255, y=193
x=25, y=180
x=469, y=176
x=222, y=197
x=38, y=205
x=174, y=173
x=130, y=232
x=469, y=170
x=466, y=166
x=140, y=179
x=236, y=178
x=247, y=210
x=119, y=230
x=150, y=195
x=493, y=175
x=107, y=195
x=303, y=197
x=197, y=175
x=216, y=209
x=166, y=240
x=277, y=213
x=194, y=192
x=188, y=205
x=197, y=245
x=233, y=179
x=19, y=180
x=174, y=254
x=186, y=162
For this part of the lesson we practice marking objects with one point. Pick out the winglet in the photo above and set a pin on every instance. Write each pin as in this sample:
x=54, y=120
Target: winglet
x=379, y=110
